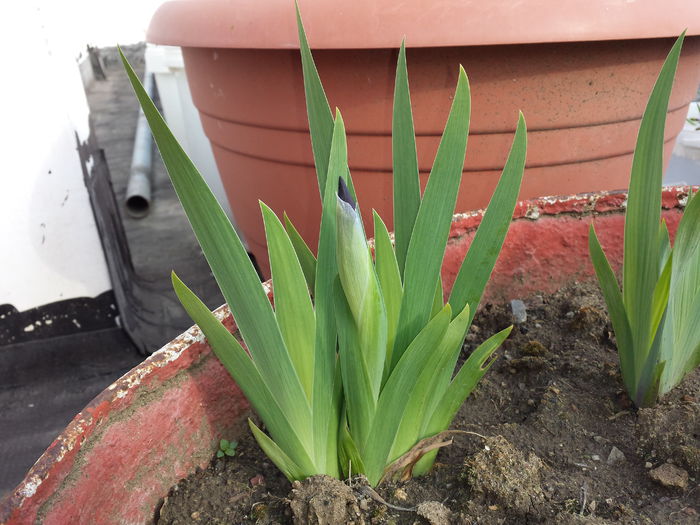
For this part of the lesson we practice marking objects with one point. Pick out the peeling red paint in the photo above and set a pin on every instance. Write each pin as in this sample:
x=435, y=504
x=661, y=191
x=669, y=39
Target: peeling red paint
x=547, y=243
x=163, y=419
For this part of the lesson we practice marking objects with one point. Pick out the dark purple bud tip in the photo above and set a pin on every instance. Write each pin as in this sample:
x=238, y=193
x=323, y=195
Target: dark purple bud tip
x=344, y=193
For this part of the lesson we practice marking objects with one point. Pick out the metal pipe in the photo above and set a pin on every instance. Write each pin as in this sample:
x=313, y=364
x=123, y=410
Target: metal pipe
x=138, y=189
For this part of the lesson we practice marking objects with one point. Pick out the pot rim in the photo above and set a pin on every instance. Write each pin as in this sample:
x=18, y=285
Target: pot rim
x=372, y=24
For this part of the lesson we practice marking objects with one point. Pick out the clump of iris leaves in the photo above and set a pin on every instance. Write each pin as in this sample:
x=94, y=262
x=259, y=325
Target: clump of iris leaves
x=354, y=370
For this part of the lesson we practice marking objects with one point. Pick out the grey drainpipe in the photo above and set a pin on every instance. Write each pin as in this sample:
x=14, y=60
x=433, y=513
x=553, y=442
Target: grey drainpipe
x=138, y=190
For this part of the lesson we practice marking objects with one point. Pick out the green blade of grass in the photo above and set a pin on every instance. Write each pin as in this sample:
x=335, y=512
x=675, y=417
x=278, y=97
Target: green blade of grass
x=304, y=254
x=393, y=399
x=664, y=244
x=280, y=423
x=283, y=462
x=326, y=413
x=458, y=390
x=438, y=299
x=389, y=280
x=405, y=162
x=428, y=389
x=464, y=381
x=229, y=262
x=659, y=299
x=616, y=311
x=647, y=389
x=681, y=346
x=432, y=226
x=319, y=112
x=349, y=455
x=641, y=247
x=483, y=252
x=293, y=308
x=360, y=400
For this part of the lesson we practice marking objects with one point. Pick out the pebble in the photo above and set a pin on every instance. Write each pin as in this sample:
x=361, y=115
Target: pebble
x=615, y=456
x=647, y=465
x=536, y=300
x=195, y=515
x=598, y=439
x=569, y=315
x=519, y=311
x=257, y=480
x=400, y=494
x=595, y=457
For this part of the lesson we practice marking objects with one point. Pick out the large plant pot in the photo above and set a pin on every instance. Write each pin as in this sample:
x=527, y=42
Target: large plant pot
x=581, y=73
x=117, y=459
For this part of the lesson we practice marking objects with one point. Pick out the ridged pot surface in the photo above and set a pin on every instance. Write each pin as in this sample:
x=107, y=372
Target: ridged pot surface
x=582, y=101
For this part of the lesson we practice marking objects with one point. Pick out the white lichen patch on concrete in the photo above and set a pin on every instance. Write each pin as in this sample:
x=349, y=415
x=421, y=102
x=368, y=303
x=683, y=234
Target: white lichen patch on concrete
x=30, y=486
x=466, y=215
x=556, y=199
x=533, y=212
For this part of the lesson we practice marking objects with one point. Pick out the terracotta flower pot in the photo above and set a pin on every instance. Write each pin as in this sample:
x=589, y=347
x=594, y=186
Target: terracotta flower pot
x=580, y=71
x=157, y=424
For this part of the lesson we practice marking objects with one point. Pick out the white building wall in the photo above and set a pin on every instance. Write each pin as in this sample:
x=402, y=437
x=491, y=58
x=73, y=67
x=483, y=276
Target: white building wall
x=50, y=247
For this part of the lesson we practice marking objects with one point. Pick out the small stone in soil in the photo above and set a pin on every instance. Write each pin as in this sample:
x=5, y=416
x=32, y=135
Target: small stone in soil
x=670, y=475
x=536, y=300
x=400, y=494
x=519, y=311
x=615, y=456
x=257, y=480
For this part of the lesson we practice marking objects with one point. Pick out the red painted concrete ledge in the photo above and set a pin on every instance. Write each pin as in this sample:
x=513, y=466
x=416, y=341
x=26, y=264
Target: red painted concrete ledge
x=118, y=458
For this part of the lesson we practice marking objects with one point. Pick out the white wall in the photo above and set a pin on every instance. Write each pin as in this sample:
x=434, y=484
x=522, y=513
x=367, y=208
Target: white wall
x=50, y=247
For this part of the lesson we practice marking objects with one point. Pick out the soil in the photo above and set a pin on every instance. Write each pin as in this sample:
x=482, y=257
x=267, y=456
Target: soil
x=562, y=444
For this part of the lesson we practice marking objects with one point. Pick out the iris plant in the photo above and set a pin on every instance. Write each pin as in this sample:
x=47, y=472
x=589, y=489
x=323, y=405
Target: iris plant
x=353, y=371
x=656, y=315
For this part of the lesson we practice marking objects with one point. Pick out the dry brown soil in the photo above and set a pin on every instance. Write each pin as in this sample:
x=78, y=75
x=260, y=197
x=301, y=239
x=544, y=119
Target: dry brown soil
x=562, y=445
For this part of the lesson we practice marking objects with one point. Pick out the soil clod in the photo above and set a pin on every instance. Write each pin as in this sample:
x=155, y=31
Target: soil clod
x=322, y=500
x=670, y=475
x=435, y=512
x=501, y=472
